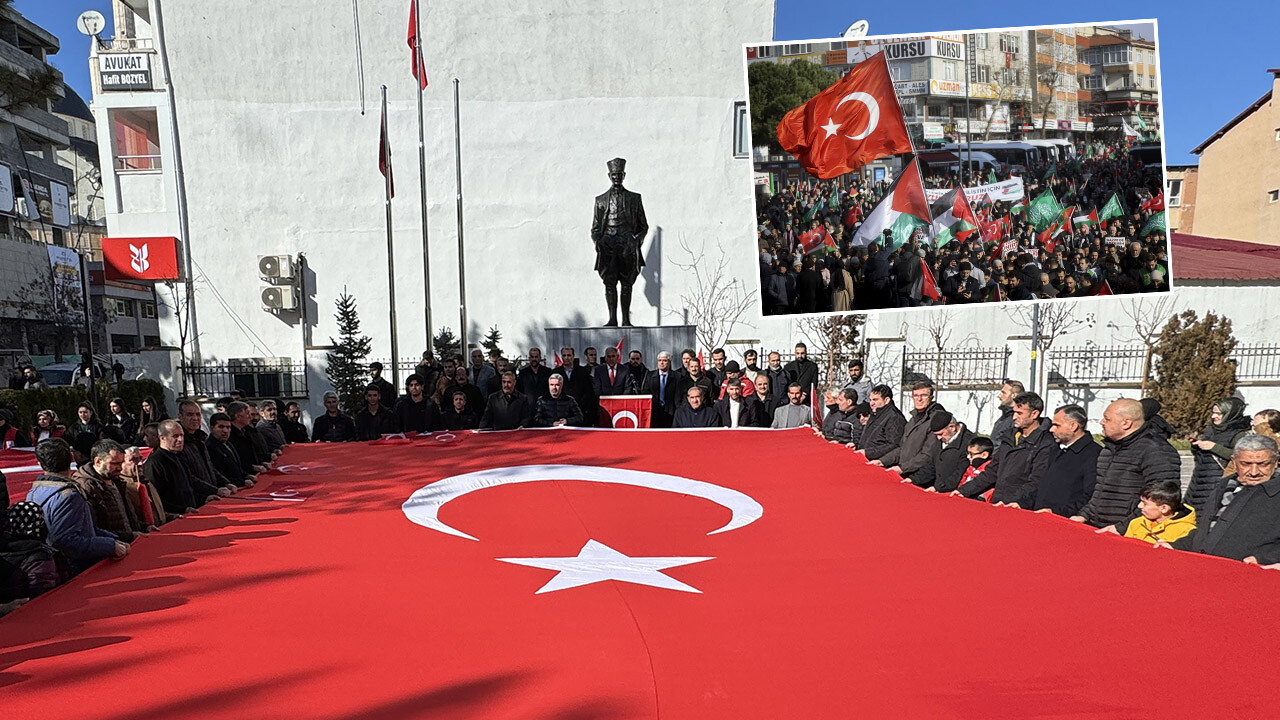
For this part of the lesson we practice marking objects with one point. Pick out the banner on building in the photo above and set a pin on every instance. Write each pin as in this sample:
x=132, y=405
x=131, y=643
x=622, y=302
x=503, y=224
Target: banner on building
x=1008, y=191
x=61, y=204
x=68, y=293
x=125, y=71
x=626, y=411
x=6, y=190
x=149, y=259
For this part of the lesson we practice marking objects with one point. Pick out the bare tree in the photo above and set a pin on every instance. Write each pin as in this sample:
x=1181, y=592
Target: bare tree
x=718, y=300
x=176, y=302
x=1055, y=320
x=1147, y=318
x=834, y=339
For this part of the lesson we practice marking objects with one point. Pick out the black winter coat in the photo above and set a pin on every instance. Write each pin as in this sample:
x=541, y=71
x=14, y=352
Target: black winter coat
x=1018, y=468
x=1248, y=526
x=507, y=413
x=1209, y=464
x=951, y=462
x=917, y=453
x=1124, y=467
x=883, y=432
x=1002, y=431
x=1069, y=480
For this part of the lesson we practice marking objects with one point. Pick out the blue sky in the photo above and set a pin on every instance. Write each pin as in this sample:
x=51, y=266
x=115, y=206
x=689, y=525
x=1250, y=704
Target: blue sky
x=1213, y=57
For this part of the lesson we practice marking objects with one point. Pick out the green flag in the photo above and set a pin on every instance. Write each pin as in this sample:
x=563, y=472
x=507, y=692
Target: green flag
x=1112, y=209
x=1142, y=125
x=991, y=177
x=1155, y=223
x=808, y=216
x=1044, y=210
x=1052, y=171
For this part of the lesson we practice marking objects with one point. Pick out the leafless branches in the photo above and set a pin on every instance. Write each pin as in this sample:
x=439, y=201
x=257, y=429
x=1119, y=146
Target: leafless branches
x=717, y=300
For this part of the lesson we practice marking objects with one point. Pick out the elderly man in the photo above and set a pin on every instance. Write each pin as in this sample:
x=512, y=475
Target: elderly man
x=1131, y=457
x=579, y=386
x=953, y=459
x=611, y=378
x=795, y=413
x=778, y=378
x=557, y=408
x=333, y=425
x=839, y=424
x=661, y=383
x=180, y=492
x=917, y=452
x=883, y=431
x=1073, y=469
x=695, y=412
x=1242, y=517
x=269, y=427
x=508, y=408
x=481, y=375
x=769, y=401
x=738, y=408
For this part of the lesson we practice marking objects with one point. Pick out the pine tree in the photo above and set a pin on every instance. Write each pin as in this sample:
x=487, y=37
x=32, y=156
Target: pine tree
x=346, y=361
x=1192, y=370
x=490, y=342
x=446, y=344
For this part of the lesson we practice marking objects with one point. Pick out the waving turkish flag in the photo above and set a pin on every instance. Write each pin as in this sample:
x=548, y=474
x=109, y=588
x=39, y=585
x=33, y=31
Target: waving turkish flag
x=849, y=124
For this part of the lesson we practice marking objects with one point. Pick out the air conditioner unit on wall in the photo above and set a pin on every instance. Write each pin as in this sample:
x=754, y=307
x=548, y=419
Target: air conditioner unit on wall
x=275, y=267
x=279, y=297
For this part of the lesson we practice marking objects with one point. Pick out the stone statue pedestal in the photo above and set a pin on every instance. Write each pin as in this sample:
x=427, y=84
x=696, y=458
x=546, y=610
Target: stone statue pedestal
x=649, y=340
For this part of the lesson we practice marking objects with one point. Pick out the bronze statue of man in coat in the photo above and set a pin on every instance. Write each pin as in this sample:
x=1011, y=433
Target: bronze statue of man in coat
x=618, y=231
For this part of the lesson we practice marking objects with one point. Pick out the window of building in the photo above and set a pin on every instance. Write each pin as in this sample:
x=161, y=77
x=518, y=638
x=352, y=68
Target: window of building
x=765, y=51
x=796, y=49
x=948, y=71
x=151, y=341
x=1273, y=195
x=984, y=74
x=1009, y=43
x=123, y=308
x=148, y=310
x=741, y=145
x=123, y=343
x=1174, y=196
x=938, y=111
x=1277, y=134
x=1116, y=55
x=135, y=139
x=1151, y=81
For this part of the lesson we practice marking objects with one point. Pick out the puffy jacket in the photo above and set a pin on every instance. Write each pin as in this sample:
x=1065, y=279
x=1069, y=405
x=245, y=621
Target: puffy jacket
x=840, y=426
x=1124, y=467
x=918, y=451
x=551, y=409
x=70, y=522
x=1175, y=528
x=883, y=432
x=1020, y=466
x=39, y=564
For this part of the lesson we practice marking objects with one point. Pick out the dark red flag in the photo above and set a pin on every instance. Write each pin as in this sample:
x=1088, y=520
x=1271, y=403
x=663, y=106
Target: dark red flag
x=419, y=67
x=384, y=152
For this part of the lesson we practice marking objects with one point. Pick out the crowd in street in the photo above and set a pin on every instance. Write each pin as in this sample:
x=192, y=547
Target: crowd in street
x=1008, y=255
x=103, y=487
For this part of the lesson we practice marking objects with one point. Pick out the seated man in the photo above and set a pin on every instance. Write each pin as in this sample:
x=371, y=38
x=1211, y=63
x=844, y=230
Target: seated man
x=1242, y=517
x=695, y=413
x=241, y=420
x=269, y=427
x=838, y=426
x=738, y=408
x=67, y=514
x=460, y=415
x=222, y=455
x=508, y=408
x=291, y=425
x=556, y=408
x=795, y=413
x=375, y=419
x=415, y=411
x=333, y=425
x=953, y=459
x=179, y=492
x=97, y=484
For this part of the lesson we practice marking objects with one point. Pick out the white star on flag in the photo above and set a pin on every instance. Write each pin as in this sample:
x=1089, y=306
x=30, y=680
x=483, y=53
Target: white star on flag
x=597, y=562
x=831, y=127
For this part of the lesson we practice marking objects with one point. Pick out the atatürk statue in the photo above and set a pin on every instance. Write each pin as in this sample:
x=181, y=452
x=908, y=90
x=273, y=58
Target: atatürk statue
x=618, y=230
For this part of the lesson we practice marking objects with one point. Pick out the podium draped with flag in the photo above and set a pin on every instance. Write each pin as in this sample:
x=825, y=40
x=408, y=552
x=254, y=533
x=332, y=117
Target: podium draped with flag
x=625, y=411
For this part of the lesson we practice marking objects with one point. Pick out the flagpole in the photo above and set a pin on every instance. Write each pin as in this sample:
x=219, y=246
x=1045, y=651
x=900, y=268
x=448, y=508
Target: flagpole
x=462, y=257
x=968, y=136
x=391, y=254
x=422, y=172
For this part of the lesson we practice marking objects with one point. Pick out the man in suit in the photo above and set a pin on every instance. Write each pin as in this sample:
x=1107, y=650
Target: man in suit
x=802, y=369
x=738, y=409
x=579, y=386
x=661, y=384
x=953, y=456
x=611, y=378
x=618, y=228
x=795, y=413
x=531, y=380
x=1242, y=518
x=1068, y=482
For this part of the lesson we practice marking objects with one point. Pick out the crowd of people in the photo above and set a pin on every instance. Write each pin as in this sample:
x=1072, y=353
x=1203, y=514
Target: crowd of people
x=1069, y=260
x=102, y=486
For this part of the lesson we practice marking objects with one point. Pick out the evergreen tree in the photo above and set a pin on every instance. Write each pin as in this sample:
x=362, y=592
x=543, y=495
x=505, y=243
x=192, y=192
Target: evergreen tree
x=778, y=89
x=446, y=344
x=1192, y=370
x=490, y=342
x=346, y=368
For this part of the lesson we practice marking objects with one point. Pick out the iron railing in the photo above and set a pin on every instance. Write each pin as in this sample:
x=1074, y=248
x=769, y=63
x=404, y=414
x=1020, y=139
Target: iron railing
x=1256, y=362
x=1095, y=364
x=256, y=381
x=976, y=367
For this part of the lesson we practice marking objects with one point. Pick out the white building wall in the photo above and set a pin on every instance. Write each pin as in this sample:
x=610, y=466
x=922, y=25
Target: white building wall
x=278, y=158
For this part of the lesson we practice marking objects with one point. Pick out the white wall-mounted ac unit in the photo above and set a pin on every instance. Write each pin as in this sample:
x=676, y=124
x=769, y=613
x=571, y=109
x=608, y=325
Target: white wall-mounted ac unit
x=279, y=297
x=275, y=267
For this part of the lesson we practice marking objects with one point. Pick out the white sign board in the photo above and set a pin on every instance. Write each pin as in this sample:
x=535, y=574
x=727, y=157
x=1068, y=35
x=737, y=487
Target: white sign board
x=6, y=190
x=61, y=204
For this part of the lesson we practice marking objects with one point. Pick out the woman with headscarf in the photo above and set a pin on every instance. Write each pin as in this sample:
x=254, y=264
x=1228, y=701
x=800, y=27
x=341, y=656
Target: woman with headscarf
x=1212, y=450
x=841, y=286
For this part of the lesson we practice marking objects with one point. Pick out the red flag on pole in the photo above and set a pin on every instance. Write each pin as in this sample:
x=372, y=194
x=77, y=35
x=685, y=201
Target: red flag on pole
x=817, y=407
x=419, y=67
x=619, y=345
x=1155, y=203
x=384, y=152
x=930, y=289
x=849, y=124
x=559, y=362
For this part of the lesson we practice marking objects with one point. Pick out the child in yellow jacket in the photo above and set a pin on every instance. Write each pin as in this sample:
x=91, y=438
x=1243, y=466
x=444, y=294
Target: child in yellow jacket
x=1162, y=516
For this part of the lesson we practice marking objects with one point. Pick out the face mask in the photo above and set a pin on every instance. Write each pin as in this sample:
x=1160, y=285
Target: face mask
x=977, y=462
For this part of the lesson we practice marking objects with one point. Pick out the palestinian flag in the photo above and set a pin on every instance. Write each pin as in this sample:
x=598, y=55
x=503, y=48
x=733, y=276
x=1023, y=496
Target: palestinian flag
x=930, y=288
x=1142, y=125
x=953, y=219
x=1020, y=207
x=1051, y=172
x=817, y=240
x=1090, y=220
x=1044, y=210
x=1113, y=208
x=901, y=211
x=1155, y=224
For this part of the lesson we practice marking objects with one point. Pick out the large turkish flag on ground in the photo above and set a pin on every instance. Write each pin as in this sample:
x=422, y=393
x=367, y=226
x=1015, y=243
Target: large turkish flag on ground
x=603, y=574
x=20, y=470
x=849, y=124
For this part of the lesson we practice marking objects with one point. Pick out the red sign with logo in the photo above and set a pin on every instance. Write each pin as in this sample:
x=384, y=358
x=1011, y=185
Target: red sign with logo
x=625, y=411
x=153, y=258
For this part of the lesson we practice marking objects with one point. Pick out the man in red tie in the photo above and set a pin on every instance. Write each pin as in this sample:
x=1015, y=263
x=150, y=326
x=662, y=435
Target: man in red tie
x=611, y=378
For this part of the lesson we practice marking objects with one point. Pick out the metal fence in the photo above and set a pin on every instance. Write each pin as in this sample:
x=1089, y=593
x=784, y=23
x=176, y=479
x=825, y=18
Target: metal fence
x=257, y=381
x=1255, y=363
x=976, y=367
x=1095, y=364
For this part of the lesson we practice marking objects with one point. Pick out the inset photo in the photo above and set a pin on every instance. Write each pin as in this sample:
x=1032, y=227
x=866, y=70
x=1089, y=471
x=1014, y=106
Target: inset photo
x=958, y=168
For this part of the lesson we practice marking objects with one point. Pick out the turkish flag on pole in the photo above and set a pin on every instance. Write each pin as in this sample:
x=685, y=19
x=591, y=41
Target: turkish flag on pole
x=626, y=411
x=384, y=152
x=419, y=66
x=1155, y=203
x=849, y=124
x=930, y=289
x=815, y=400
